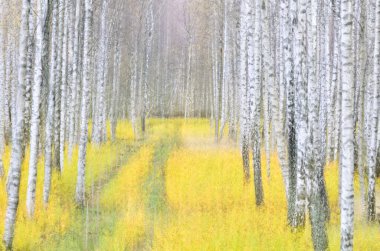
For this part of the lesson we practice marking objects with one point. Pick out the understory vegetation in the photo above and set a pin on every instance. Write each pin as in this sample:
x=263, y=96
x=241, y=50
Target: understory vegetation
x=173, y=190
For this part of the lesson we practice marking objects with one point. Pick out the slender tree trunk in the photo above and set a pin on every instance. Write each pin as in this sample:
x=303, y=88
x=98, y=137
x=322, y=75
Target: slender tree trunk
x=133, y=91
x=314, y=164
x=28, y=83
x=287, y=41
x=347, y=190
x=115, y=88
x=98, y=126
x=58, y=99
x=301, y=113
x=80, y=187
x=149, y=31
x=17, y=153
x=42, y=14
x=374, y=121
x=244, y=139
x=256, y=87
x=226, y=74
x=51, y=104
x=64, y=87
x=75, y=79
x=267, y=80
x=277, y=94
x=2, y=93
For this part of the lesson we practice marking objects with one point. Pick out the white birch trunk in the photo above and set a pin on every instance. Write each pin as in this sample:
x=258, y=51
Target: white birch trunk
x=100, y=79
x=244, y=113
x=80, y=186
x=226, y=78
x=62, y=124
x=29, y=78
x=374, y=121
x=256, y=108
x=59, y=84
x=42, y=11
x=133, y=91
x=347, y=136
x=75, y=79
x=301, y=111
x=17, y=154
x=50, y=108
x=115, y=88
x=2, y=93
x=267, y=80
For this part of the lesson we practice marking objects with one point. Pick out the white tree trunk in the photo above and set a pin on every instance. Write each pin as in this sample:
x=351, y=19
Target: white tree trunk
x=2, y=93
x=374, y=121
x=75, y=79
x=28, y=83
x=62, y=125
x=17, y=155
x=50, y=108
x=301, y=111
x=244, y=113
x=347, y=136
x=80, y=186
x=226, y=78
x=115, y=88
x=59, y=84
x=268, y=82
x=42, y=11
x=98, y=117
x=133, y=91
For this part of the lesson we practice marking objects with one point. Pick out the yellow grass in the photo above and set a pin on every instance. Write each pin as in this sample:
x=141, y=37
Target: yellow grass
x=55, y=219
x=125, y=194
x=214, y=210
x=209, y=206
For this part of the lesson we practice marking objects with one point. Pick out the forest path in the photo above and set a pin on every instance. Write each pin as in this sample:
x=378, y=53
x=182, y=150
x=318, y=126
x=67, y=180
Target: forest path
x=89, y=221
x=97, y=221
x=155, y=190
x=135, y=199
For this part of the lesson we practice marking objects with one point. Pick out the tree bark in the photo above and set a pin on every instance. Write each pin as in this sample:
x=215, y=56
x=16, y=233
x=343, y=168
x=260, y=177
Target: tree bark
x=17, y=153
x=42, y=14
x=347, y=136
x=80, y=186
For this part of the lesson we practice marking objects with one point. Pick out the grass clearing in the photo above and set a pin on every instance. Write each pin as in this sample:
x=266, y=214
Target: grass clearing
x=175, y=190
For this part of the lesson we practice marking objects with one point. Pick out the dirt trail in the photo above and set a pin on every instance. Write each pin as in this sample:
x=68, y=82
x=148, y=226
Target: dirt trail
x=155, y=189
x=90, y=222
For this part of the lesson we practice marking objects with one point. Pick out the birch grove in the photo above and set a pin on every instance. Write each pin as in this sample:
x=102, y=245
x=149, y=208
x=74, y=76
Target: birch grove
x=293, y=85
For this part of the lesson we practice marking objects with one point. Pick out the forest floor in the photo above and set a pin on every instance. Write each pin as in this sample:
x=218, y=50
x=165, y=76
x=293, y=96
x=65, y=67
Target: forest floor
x=173, y=190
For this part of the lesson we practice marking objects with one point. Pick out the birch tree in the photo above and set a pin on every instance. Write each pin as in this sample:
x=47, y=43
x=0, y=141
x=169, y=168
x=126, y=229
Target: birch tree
x=63, y=87
x=374, y=120
x=148, y=48
x=226, y=66
x=98, y=119
x=301, y=104
x=42, y=14
x=268, y=73
x=75, y=78
x=80, y=186
x=287, y=16
x=347, y=190
x=115, y=86
x=17, y=152
x=2, y=94
x=244, y=139
x=255, y=87
x=50, y=105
